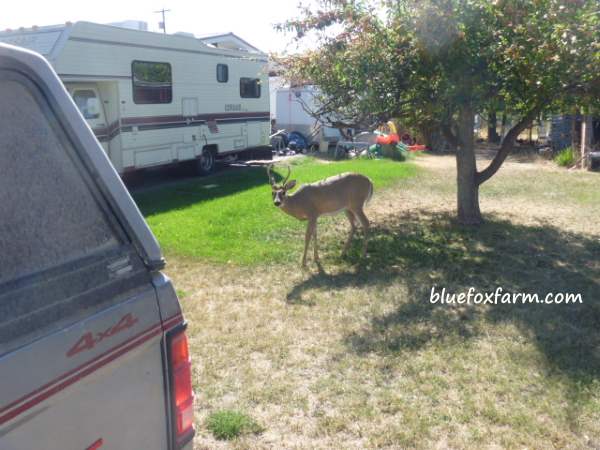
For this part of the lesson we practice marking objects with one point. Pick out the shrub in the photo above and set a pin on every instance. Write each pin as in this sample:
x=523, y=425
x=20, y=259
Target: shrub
x=565, y=158
x=228, y=424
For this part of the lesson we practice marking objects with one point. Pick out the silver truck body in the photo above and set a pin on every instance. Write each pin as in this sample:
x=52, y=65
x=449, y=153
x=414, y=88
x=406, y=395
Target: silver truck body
x=86, y=316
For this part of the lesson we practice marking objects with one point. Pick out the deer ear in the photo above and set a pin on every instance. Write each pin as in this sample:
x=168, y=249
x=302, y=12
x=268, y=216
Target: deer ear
x=290, y=185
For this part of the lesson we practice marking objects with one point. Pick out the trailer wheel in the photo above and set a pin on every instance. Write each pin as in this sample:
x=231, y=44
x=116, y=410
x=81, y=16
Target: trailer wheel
x=206, y=163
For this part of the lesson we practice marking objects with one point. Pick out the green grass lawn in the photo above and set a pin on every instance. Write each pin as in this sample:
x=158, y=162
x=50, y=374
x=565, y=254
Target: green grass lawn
x=229, y=217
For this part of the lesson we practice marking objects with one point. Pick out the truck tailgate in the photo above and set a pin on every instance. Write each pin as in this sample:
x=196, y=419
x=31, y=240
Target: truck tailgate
x=100, y=380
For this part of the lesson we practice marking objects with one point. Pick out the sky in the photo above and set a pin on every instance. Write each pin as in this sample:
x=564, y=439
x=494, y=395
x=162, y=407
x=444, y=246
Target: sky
x=251, y=20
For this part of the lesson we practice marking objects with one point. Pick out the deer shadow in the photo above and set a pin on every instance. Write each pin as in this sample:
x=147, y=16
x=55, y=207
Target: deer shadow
x=425, y=250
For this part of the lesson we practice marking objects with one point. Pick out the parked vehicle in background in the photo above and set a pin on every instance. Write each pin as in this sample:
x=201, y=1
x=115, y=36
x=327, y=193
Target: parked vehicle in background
x=154, y=99
x=292, y=114
x=93, y=351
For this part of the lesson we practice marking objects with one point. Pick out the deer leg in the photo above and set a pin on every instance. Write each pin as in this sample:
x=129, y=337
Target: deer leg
x=352, y=220
x=309, y=232
x=364, y=222
x=316, y=246
x=316, y=250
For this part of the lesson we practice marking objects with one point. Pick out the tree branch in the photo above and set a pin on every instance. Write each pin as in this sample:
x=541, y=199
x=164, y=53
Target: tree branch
x=507, y=145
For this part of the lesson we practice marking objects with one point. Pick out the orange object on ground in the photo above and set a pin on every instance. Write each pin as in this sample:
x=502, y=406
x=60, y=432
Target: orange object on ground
x=383, y=139
x=417, y=148
x=387, y=139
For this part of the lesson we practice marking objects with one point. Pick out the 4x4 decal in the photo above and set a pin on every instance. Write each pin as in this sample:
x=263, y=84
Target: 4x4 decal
x=89, y=340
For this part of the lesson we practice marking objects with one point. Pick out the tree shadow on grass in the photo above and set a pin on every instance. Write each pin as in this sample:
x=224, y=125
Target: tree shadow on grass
x=428, y=250
x=185, y=193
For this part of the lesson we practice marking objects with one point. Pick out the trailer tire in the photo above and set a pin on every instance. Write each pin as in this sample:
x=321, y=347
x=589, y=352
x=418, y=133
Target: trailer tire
x=206, y=162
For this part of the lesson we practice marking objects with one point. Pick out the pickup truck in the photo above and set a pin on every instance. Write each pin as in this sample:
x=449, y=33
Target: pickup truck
x=93, y=348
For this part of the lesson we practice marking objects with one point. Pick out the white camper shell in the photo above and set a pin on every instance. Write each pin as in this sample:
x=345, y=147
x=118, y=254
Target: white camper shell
x=153, y=99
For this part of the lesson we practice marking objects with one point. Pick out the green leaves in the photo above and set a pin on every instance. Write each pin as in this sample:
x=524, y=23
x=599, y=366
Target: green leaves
x=421, y=60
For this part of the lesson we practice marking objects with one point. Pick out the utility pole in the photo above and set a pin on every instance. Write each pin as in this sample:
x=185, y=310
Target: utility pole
x=587, y=132
x=163, y=24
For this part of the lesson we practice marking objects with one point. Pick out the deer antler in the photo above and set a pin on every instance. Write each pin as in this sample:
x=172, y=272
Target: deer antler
x=272, y=178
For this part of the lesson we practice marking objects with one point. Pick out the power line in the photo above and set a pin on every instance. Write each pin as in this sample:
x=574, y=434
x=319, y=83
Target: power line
x=163, y=24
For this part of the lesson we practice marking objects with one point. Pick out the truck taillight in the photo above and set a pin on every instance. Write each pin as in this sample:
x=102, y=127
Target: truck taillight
x=181, y=387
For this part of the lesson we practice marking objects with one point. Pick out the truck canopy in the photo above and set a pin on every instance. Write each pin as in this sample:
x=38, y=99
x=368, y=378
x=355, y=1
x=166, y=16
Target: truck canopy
x=89, y=150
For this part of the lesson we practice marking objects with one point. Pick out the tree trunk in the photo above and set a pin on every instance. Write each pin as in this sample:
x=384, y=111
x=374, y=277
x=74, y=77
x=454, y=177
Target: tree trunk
x=493, y=135
x=426, y=132
x=433, y=137
x=466, y=167
x=468, y=178
x=574, y=129
x=574, y=137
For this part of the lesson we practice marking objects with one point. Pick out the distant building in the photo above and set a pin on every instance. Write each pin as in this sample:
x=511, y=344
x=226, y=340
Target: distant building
x=562, y=128
x=229, y=41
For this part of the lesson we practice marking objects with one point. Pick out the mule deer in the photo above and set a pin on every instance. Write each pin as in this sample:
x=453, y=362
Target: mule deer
x=348, y=192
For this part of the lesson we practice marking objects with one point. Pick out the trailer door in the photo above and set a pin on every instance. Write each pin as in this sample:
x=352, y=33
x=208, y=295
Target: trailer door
x=88, y=100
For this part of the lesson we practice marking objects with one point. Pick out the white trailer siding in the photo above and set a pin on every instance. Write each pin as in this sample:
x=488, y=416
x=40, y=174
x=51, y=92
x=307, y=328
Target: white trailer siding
x=203, y=113
x=292, y=115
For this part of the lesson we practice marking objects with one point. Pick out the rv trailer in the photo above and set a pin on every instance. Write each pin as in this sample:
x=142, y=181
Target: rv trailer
x=153, y=99
x=293, y=113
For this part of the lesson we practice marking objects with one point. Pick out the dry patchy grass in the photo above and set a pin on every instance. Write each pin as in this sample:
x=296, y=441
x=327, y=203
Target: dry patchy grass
x=355, y=356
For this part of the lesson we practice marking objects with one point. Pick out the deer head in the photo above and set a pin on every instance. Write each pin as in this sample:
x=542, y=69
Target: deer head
x=279, y=191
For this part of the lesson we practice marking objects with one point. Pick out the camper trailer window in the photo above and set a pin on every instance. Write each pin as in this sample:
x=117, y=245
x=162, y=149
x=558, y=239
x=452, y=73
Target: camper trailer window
x=152, y=82
x=87, y=102
x=222, y=73
x=249, y=87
